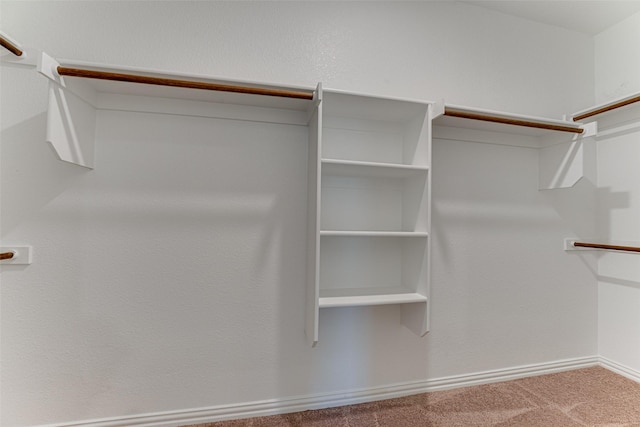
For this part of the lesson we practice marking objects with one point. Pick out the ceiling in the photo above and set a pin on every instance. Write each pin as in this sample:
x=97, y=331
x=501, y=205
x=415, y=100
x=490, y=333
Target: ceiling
x=589, y=17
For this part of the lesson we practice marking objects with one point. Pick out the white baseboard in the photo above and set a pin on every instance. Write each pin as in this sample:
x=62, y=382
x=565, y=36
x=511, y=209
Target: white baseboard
x=317, y=401
x=623, y=370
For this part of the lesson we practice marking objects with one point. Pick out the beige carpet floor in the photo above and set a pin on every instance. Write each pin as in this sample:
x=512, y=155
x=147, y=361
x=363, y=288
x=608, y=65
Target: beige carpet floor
x=585, y=397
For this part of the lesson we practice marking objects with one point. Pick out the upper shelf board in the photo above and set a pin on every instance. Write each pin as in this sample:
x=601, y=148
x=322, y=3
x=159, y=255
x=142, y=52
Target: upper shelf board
x=504, y=122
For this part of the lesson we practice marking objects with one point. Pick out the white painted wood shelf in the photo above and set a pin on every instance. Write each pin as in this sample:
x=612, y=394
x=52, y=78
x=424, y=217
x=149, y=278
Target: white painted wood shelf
x=559, y=142
x=356, y=297
x=370, y=169
x=479, y=119
x=347, y=233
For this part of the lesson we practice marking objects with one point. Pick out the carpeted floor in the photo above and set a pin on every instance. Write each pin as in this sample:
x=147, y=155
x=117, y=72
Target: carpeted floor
x=584, y=397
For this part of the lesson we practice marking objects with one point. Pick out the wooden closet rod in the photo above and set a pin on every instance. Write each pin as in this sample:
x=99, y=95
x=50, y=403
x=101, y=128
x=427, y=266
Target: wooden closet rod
x=190, y=84
x=10, y=46
x=509, y=121
x=603, y=246
x=6, y=255
x=606, y=108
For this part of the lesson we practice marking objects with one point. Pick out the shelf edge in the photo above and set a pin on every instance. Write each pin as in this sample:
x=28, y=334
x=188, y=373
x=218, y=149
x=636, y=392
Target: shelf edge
x=354, y=233
x=368, y=300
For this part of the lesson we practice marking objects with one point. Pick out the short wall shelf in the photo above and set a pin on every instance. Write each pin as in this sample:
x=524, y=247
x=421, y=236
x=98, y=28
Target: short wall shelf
x=383, y=170
x=365, y=297
x=497, y=121
x=560, y=142
x=339, y=233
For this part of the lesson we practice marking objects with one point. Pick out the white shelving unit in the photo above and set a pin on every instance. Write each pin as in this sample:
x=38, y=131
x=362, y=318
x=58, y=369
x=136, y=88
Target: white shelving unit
x=369, y=178
x=372, y=206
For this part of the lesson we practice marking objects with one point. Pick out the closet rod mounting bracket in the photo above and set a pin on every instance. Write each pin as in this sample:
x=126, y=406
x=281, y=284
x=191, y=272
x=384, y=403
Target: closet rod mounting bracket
x=21, y=255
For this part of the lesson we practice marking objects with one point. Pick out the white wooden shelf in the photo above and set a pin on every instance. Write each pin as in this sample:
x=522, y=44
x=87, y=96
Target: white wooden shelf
x=351, y=233
x=560, y=142
x=370, y=169
x=478, y=119
x=354, y=297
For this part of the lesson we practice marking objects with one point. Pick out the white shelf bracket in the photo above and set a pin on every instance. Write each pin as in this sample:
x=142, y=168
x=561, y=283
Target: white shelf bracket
x=590, y=129
x=563, y=165
x=27, y=59
x=21, y=255
x=47, y=67
x=568, y=245
x=71, y=119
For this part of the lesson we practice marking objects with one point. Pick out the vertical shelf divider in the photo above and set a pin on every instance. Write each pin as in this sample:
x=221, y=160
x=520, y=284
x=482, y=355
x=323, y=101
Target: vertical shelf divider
x=416, y=317
x=313, y=222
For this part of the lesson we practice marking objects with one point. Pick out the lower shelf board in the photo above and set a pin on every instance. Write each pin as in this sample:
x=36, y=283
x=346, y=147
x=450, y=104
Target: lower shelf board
x=363, y=297
x=349, y=233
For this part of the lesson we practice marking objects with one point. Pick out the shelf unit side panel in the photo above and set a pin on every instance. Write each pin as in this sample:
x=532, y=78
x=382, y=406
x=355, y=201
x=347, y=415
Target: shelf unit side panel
x=313, y=224
x=415, y=209
x=426, y=321
x=417, y=257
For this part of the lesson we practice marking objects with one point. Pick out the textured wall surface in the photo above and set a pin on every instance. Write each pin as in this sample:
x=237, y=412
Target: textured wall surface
x=618, y=74
x=464, y=54
x=619, y=273
x=171, y=276
x=617, y=64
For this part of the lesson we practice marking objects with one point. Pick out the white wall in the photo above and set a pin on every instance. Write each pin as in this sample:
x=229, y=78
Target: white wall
x=617, y=66
x=106, y=322
x=504, y=291
x=617, y=53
